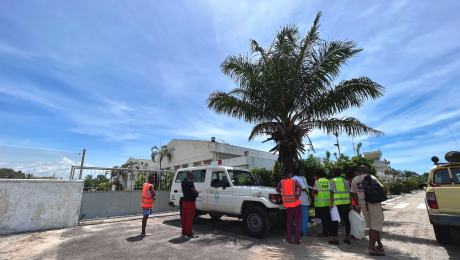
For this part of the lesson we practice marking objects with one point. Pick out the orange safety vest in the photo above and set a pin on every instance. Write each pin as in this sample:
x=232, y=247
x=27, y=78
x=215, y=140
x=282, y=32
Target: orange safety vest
x=147, y=202
x=288, y=193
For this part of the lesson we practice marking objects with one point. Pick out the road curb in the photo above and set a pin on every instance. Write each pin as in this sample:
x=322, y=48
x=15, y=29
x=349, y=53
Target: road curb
x=107, y=220
x=399, y=197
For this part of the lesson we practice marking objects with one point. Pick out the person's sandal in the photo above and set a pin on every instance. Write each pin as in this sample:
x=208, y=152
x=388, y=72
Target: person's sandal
x=347, y=241
x=322, y=235
x=378, y=253
x=333, y=242
x=285, y=241
x=378, y=249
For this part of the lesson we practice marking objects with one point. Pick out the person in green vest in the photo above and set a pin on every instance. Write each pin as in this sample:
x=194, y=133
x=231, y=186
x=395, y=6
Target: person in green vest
x=322, y=202
x=340, y=197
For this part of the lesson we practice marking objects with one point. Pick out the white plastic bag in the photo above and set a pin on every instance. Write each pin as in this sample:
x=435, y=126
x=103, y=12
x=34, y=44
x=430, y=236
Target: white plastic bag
x=335, y=214
x=358, y=224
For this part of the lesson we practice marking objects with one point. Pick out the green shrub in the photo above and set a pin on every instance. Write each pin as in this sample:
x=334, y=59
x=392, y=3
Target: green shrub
x=386, y=189
x=139, y=182
x=396, y=187
x=409, y=184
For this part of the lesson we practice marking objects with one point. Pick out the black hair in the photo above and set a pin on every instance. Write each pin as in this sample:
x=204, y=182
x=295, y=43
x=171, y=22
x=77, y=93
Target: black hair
x=337, y=171
x=287, y=172
x=297, y=171
x=320, y=173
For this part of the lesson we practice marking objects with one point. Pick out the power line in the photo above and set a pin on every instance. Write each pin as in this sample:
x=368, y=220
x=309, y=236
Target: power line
x=44, y=146
x=452, y=135
x=36, y=150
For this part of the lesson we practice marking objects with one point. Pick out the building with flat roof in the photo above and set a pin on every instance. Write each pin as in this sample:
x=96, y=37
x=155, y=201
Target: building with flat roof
x=382, y=166
x=190, y=153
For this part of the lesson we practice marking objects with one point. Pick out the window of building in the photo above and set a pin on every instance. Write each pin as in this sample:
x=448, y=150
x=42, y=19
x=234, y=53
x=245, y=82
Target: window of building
x=184, y=165
x=208, y=162
x=176, y=167
x=198, y=176
x=196, y=163
x=441, y=177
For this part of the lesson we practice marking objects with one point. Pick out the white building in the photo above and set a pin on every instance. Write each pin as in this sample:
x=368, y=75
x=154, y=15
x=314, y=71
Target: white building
x=189, y=153
x=381, y=166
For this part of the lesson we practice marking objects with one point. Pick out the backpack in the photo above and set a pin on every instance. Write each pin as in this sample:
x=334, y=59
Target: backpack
x=372, y=191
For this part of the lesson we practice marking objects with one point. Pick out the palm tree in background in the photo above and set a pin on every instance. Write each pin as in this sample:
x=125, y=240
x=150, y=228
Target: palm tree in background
x=288, y=90
x=163, y=152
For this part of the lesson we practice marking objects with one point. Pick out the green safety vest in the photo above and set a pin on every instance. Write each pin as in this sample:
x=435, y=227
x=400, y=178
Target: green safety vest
x=341, y=192
x=323, y=199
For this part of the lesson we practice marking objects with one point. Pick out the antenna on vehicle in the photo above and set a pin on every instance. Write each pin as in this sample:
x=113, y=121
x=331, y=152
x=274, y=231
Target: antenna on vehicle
x=452, y=135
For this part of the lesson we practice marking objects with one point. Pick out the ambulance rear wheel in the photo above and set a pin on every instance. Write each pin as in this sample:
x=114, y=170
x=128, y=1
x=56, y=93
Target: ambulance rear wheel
x=256, y=221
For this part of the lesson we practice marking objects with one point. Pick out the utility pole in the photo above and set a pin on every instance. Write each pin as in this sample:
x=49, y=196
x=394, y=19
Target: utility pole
x=82, y=161
x=337, y=144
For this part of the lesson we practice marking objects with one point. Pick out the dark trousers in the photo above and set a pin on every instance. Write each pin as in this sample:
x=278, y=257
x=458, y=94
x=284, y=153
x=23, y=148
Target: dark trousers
x=188, y=215
x=294, y=214
x=324, y=213
x=343, y=212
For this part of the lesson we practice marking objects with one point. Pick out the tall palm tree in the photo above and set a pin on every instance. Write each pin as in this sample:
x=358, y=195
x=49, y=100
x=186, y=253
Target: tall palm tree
x=289, y=89
x=163, y=152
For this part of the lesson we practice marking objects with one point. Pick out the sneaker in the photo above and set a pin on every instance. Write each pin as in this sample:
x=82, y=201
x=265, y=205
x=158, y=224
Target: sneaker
x=193, y=236
x=285, y=241
x=183, y=236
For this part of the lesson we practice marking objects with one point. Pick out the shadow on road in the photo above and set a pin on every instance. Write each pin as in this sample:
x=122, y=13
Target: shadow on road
x=135, y=238
x=179, y=240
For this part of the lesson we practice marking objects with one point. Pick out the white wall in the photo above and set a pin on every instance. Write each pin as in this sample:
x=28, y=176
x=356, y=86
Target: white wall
x=248, y=162
x=30, y=205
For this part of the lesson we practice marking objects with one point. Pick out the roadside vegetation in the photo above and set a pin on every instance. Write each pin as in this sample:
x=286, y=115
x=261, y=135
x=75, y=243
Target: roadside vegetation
x=8, y=173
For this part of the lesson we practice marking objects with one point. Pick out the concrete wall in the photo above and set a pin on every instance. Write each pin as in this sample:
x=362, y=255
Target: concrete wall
x=30, y=205
x=119, y=203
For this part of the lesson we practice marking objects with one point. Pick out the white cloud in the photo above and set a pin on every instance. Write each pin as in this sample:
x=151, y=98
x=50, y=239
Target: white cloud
x=44, y=169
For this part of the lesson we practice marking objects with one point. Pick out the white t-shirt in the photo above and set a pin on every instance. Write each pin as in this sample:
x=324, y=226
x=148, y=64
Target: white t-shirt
x=303, y=194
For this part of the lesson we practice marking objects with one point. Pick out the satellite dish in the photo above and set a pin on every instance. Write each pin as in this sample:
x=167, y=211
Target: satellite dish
x=453, y=157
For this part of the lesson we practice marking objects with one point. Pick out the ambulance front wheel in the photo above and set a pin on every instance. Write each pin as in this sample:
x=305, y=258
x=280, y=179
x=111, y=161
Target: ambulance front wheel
x=256, y=221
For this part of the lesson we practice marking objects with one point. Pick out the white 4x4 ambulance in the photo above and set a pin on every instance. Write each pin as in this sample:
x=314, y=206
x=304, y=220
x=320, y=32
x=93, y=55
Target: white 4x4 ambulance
x=232, y=192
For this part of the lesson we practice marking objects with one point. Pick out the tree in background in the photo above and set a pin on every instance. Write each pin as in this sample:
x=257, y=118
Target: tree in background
x=139, y=182
x=163, y=152
x=288, y=90
x=7, y=173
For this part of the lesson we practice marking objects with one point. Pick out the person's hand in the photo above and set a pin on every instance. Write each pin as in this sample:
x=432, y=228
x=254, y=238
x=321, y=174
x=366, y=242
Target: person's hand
x=358, y=209
x=331, y=206
x=351, y=207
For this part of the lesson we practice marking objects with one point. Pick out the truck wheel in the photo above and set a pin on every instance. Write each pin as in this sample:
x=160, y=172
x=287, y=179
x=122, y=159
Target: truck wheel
x=215, y=216
x=256, y=221
x=442, y=234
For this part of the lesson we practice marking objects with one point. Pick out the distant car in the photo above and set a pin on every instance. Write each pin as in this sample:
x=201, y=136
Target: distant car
x=443, y=196
x=232, y=192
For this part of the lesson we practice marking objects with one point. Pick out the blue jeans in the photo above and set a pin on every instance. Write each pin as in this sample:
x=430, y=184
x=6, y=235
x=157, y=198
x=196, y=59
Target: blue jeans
x=304, y=209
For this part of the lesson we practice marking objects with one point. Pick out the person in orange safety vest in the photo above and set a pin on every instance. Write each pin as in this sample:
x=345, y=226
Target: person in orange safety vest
x=290, y=192
x=148, y=196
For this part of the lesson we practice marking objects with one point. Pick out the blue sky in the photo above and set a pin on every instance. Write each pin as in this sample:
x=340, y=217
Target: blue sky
x=117, y=77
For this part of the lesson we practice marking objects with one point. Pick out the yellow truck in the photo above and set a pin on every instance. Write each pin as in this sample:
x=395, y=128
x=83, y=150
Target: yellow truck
x=443, y=196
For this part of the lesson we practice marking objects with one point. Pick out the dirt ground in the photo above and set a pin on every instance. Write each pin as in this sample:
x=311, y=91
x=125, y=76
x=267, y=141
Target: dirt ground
x=407, y=235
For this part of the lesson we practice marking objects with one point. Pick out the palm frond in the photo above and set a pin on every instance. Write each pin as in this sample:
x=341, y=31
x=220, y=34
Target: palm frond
x=348, y=125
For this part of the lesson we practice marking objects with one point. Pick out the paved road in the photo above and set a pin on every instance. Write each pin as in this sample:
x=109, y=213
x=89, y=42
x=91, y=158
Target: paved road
x=407, y=235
